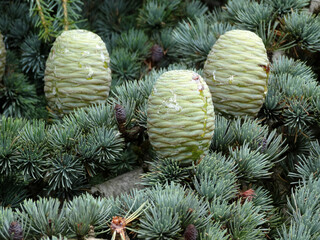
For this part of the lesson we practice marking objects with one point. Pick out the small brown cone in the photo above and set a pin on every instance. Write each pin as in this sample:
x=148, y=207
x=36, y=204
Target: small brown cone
x=15, y=231
x=190, y=233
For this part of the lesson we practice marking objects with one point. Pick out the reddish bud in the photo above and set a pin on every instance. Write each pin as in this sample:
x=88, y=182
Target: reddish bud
x=248, y=195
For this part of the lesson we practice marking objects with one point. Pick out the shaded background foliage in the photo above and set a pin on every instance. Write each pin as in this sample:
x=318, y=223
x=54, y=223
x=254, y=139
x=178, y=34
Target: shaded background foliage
x=260, y=180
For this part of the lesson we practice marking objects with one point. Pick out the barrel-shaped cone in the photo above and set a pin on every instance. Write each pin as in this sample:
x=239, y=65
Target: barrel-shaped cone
x=77, y=71
x=180, y=116
x=236, y=71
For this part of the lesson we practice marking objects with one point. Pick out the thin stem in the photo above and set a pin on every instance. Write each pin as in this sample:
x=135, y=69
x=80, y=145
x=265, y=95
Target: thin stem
x=43, y=20
x=65, y=13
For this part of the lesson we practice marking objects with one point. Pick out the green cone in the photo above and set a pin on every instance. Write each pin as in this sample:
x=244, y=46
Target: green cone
x=236, y=72
x=2, y=57
x=180, y=116
x=77, y=71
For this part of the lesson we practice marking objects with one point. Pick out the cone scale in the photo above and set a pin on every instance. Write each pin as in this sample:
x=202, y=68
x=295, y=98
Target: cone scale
x=180, y=116
x=236, y=71
x=77, y=71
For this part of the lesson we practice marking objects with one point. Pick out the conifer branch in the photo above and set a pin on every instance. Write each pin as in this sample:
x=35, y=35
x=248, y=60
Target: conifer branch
x=65, y=13
x=53, y=17
x=43, y=20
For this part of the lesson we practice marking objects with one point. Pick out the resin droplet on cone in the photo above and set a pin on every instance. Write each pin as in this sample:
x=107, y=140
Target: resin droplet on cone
x=236, y=71
x=2, y=57
x=180, y=116
x=77, y=71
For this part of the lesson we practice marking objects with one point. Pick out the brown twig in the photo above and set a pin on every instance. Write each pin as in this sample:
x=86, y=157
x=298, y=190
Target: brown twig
x=43, y=20
x=65, y=13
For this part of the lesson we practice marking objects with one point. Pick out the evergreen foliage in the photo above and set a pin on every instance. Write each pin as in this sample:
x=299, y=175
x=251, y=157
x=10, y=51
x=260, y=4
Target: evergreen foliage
x=125, y=66
x=45, y=217
x=249, y=14
x=214, y=232
x=54, y=17
x=304, y=29
x=309, y=165
x=165, y=170
x=32, y=58
x=285, y=6
x=85, y=211
x=295, y=87
x=176, y=204
x=19, y=97
x=260, y=179
x=215, y=177
x=155, y=15
x=246, y=221
x=61, y=143
x=303, y=208
x=195, y=39
x=8, y=216
x=14, y=193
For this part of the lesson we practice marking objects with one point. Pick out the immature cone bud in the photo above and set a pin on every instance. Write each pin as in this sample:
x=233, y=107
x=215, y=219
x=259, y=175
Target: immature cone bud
x=236, y=72
x=120, y=114
x=156, y=53
x=120, y=117
x=190, y=233
x=2, y=57
x=248, y=195
x=180, y=114
x=77, y=71
x=15, y=231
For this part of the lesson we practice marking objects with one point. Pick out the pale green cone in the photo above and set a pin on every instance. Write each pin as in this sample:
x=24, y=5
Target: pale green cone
x=180, y=116
x=236, y=71
x=2, y=57
x=77, y=71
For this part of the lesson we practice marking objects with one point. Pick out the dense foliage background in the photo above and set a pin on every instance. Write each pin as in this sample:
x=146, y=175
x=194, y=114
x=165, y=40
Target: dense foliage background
x=261, y=178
